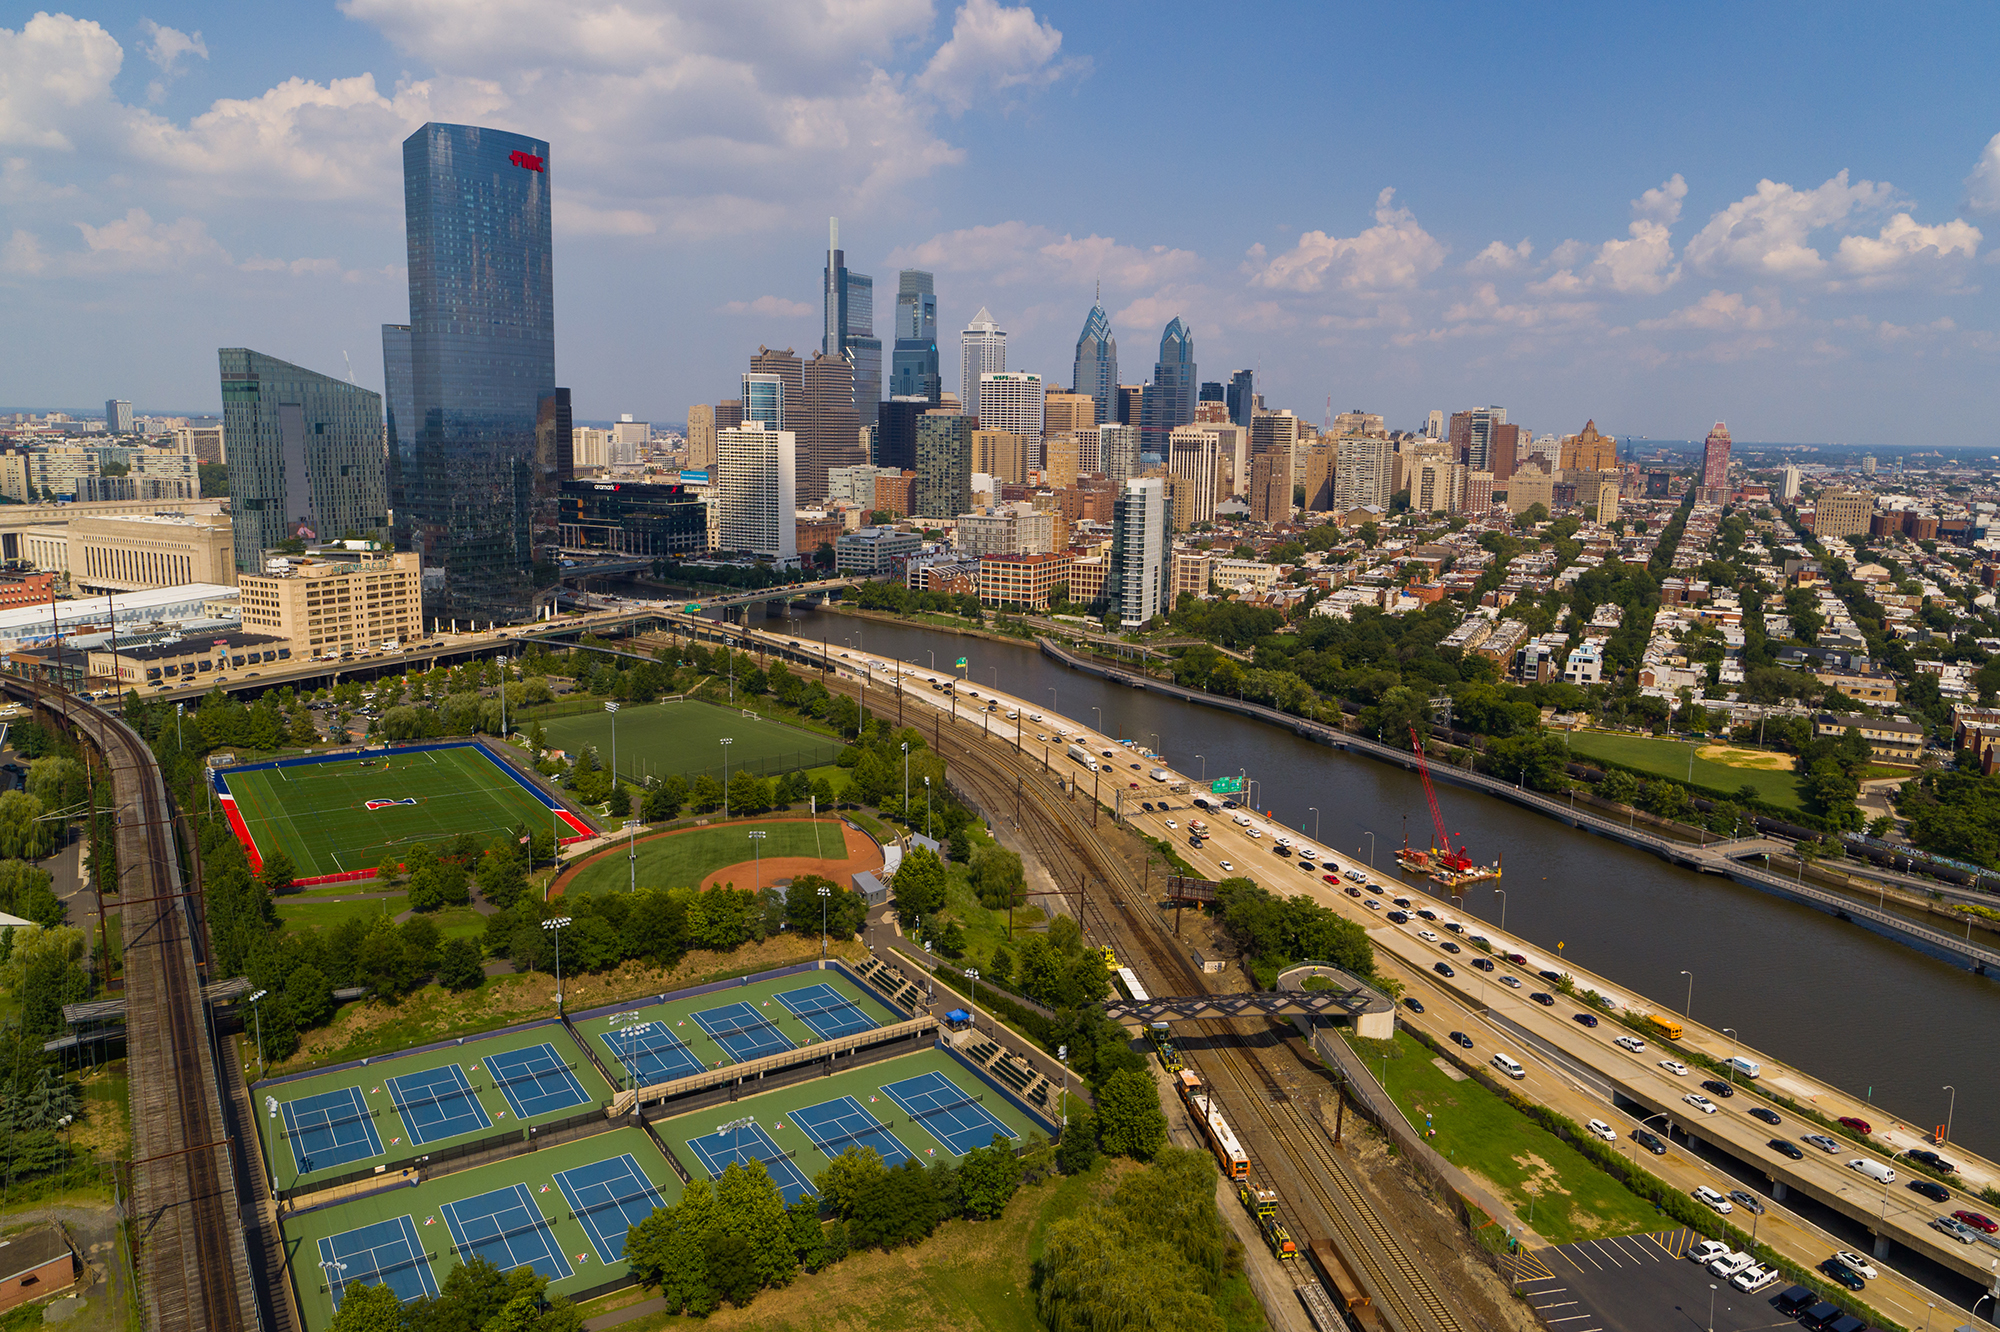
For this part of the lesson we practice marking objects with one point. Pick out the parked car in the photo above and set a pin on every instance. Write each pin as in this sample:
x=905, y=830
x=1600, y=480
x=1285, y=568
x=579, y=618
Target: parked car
x=1785, y=1148
x=1765, y=1113
x=1855, y=1262
x=1857, y=1124
x=1707, y=1252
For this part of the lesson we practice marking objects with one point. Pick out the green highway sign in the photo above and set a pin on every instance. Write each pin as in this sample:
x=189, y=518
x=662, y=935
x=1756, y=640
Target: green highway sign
x=694, y=608
x=1227, y=786
x=961, y=661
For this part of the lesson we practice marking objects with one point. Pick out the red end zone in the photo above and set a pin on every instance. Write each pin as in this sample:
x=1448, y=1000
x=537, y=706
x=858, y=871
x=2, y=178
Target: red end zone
x=242, y=831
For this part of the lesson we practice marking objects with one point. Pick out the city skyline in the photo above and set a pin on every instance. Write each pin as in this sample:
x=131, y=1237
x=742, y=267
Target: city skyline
x=1820, y=280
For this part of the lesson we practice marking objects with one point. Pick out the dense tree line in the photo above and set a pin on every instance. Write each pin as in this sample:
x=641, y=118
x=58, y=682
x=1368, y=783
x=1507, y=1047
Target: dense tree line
x=475, y=1296
x=1955, y=813
x=1276, y=932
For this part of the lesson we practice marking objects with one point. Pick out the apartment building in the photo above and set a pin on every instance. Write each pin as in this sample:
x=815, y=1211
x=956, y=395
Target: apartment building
x=338, y=599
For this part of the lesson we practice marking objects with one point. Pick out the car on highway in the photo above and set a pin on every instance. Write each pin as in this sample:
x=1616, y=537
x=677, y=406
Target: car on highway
x=1675, y=1067
x=1932, y=1159
x=1719, y=1087
x=1399, y=918
x=1450, y=947
x=1855, y=1262
x=1227, y=868
x=1427, y=913
x=1172, y=823
x=1978, y=1221
x=1454, y=927
x=1403, y=902
x=1034, y=716
x=1821, y=1141
x=1545, y=1000
x=1602, y=1130
x=1460, y=1038
x=1700, y=1102
x=1511, y=982
x=1747, y=1200
x=1957, y=1229
x=1372, y=904
x=1712, y=1200
x=1043, y=738
x=1427, y=936
x=1354, y=876
x=1587, y=1019
x=1414, y=1005
x=1350, y=890
x=1632, y=1043
x=1857, y=1124
x=1483, y=963
x=1785, y=1148
x=1517, y=959
x=1650, y=1141
x=1843, y=1274
x=1146, y=805
x=1931, y=1189
x=1765, y=1113
x=1443, y=969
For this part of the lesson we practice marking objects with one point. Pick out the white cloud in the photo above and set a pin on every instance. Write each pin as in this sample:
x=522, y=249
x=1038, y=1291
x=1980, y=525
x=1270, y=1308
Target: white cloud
x=1643, y=264
x=1006, y=253
x=1721, y=311
x=135, y=243
x=776, y=306
x=55, y=80
x=1394, y=253
x=169, y=46
x=1982, y=187
x=1499, y=257
x=995, y=47
x=1662, y=205
x=1902, y=244
x=1767, y=233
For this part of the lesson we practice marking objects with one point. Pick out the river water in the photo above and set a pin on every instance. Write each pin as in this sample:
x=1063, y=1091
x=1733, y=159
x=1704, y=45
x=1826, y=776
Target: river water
x=1829, y=997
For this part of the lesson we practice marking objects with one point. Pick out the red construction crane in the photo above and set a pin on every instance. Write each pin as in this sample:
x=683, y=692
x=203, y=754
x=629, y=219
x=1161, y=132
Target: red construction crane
x=1455, y=861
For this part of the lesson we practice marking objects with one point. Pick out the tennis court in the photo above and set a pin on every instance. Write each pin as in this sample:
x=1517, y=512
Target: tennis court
x=684, y=738
x=386, y=1253
x=827, y=1011
x=649, y=1053
x=437, y=1103
x=342, y=815
x=834, y=1126
x=743, y=1031
x=506, y=1229
x=745, y=1141
x=608, y=1198
x=957, y=1120
x=535, y=1081
x=331, y=1128
x=396, y=1107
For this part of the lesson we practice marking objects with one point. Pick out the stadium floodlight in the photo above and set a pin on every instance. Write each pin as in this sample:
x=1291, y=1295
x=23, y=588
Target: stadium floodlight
x=554, y=925
x=973, y=1003
x=612, y=708
x=825, y=893
x=258, y=1013
x=726, y=742
x=757, y=854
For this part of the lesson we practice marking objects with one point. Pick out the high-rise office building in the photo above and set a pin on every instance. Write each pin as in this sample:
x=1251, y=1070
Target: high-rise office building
x=473, y=364
x=1364, y=473
x=555, y=457
x=1096, y=373
x=1013, y=400
x=701, y=437
x=764, y=400
x=1136, y=573
x=829, y=433
x=306, y=456
x=1788, y=489
x=1434, y=425
x=1505, y=451
x=1194, y=456
x=913, y=367
x=1715, y=459
x=1170, y=397
x=1358, y=422
x=118, y=417
x=1438, y=486
x=1841, y=511
x=982, y=351
x=1000, y=454
x=1479, y=441
x=787, y=367
x=848, y=328
x=728, y=413
x=896, y=432
x=1131, y=404
x=1241, y=398
x=756, y=500
x=1588, y=451
x=943, y=486
x=1118, y=452
x=1062, y=458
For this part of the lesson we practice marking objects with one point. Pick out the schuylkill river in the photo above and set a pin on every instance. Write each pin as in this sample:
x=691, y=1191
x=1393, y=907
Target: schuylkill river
x=1829, y=997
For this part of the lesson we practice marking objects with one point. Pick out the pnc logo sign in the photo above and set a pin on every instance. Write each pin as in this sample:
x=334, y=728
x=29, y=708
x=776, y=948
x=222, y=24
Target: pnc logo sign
x=528, y=161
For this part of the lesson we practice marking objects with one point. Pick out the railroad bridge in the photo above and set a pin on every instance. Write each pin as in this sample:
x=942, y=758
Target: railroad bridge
x=1265, y=1003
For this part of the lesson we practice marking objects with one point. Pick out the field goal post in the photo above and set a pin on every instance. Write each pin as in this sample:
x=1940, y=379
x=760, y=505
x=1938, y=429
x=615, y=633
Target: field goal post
x=751, y=715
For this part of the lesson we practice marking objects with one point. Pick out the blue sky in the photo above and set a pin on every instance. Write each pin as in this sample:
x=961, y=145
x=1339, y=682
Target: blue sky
x=1782, y=216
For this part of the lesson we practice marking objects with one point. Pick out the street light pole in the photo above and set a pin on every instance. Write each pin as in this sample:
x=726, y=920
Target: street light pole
x=612, y=708
x=1503, y=905
x=973, y=1004
x=1315, y=814
x=632, y=852
x=258, y=1013
x=1953, y=1105
x=1729, y=1070
x=554, y=925
x=1687, y=1009
x=1204, y=767
x=726, y=742
x=757, y=856
x=906, y=779
x=1370, y=835
x=927, y=806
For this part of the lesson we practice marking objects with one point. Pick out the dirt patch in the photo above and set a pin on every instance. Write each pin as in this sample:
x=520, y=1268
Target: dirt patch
x=863, y=856
x=1763, y=760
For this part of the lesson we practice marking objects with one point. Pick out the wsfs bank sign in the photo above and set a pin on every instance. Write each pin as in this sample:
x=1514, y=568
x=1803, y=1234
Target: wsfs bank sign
x=528, y=161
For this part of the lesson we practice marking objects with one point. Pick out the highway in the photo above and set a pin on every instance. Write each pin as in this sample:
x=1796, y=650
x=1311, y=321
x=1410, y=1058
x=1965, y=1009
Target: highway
x=1473, y=1003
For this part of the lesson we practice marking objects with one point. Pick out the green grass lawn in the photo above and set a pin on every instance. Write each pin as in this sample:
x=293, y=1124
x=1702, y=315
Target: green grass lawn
x=986, y=930
x=1518, y=1158
x=318, y=813
x=320, y=914
x=684, y=859
x=1669, y=759
x=656, y=739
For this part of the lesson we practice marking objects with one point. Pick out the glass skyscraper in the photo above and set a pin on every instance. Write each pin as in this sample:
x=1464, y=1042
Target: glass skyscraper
x=306, y=457
x=1170, y=399
x=914, y=371
x=473, y=364
x=849, y=328
x=1096, y=373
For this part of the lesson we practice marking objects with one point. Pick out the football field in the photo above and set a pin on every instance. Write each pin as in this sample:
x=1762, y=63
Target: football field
x=345, y=815
x=684, y=738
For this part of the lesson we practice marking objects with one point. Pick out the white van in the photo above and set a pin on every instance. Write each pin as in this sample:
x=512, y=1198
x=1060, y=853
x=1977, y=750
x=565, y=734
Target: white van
x=1749, y=1068
x=1509, y=1065
x=1711, y=1199
x=1875, y=1170
x=1240, y=819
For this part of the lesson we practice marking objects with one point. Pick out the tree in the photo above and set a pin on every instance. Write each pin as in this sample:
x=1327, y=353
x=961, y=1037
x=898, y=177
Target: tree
x=619, y=803
x=846, y=1177
x=368, y=1309
x=278, y=873
x=704, y=795
x=920, y=884
x=311, y=994
x=751, y=1209
x=1130, y=1121
x=664, y=800
x=668, y=1250
x=461, y=966
x=989, y=1176
x=1077, y=1151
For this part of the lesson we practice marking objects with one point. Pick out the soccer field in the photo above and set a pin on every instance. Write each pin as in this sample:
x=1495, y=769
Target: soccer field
x=684, y=738
x=345, y=815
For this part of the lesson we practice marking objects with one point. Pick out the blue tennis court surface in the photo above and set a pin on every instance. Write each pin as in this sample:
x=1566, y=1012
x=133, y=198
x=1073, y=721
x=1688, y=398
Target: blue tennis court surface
x=438, y=1103
x=956, y=1120
x=535, y=1081
x=506, y=1229
x=834, y=1126
x=609, y=1198
x=650, y=1053
x=747, y=1144
x=330, y=1129
x=827, y=1011
x=743, y=1031
x=387, y=1253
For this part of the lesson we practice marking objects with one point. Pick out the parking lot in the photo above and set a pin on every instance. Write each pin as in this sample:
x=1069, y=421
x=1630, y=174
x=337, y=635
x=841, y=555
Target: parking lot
x=1639, y=1283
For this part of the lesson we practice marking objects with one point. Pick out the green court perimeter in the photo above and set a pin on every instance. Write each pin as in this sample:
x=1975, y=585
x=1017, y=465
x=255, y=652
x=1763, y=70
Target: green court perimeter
x=775, y=1108
x=685, y=738
x=1669, y=759
x=758, y=994
x=391, y=1128
x=424, y=1204
x=684, y=859
x=317, y=813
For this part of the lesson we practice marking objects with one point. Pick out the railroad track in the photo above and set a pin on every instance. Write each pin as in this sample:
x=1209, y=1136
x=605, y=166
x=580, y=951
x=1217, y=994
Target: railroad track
x=193, y=1264
x=1289, y=1142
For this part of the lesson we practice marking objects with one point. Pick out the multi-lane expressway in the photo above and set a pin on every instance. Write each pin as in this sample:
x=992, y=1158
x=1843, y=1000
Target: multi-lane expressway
x=1576, y=1070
